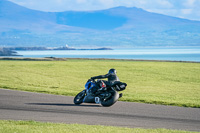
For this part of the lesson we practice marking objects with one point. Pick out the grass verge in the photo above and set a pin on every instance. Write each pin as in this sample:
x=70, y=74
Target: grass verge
x=34, y=127
x=167, y=83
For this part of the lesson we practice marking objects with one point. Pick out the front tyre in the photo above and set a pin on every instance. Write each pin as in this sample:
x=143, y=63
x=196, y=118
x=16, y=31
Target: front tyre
x=78, y=99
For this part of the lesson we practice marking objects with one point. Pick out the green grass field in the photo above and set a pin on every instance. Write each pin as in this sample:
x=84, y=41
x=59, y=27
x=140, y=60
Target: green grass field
x=168, y=83
x=40, y=127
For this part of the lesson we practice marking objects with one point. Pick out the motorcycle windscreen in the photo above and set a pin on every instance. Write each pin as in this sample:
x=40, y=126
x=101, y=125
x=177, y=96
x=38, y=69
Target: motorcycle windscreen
x=89, y=85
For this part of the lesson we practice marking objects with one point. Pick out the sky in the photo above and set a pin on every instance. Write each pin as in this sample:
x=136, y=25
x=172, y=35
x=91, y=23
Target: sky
x=188, y=9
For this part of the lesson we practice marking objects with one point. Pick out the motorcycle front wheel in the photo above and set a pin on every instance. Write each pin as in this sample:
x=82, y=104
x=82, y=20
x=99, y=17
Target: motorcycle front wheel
x=78, y=99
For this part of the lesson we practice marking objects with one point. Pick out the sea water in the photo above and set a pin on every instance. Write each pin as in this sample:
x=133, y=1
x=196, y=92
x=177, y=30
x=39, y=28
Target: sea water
x=171, y=54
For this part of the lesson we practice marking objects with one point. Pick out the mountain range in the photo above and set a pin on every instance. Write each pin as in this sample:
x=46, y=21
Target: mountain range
x=114, y=27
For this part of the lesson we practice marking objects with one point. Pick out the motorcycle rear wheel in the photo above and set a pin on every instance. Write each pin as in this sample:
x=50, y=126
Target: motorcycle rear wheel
x=111, y=100
x=78, y=99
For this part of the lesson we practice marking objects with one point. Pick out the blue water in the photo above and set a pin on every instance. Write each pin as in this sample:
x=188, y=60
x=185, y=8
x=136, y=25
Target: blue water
x=172, y=54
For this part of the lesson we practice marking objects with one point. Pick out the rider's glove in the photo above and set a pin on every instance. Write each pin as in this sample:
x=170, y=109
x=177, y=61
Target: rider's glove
x=92, y=79
x=89, y=80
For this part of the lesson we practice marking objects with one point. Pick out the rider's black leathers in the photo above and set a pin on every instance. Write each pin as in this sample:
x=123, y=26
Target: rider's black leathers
x=111, y=79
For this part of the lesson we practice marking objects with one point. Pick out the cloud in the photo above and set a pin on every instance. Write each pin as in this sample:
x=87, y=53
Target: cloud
x=81, y=1
x=186, y=11
x=184, y=8
x=189, y=3
x=107, y=2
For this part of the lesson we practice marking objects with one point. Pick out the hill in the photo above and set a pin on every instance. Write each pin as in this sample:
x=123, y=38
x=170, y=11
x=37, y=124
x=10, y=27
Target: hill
x=115, y=27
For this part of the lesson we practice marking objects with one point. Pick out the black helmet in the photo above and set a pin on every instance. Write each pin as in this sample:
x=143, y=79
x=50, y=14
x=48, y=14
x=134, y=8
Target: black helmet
x=112, y=71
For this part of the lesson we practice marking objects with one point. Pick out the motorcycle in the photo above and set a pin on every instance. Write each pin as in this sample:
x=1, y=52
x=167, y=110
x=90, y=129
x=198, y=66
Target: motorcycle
x=105, y=95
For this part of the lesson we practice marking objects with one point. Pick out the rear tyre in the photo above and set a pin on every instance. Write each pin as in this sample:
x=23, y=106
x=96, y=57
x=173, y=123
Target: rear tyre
x=78, y=99
x=111, y=100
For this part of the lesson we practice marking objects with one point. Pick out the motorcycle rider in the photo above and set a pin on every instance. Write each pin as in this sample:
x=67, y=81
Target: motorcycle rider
x=112, y=78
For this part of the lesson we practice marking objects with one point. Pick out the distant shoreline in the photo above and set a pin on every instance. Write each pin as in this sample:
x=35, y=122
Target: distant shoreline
x=52, y=48
x=11, y=51
x=65, y=59
x=7, y=52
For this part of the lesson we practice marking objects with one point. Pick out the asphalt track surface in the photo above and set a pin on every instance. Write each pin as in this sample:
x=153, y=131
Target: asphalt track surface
x=19, y=105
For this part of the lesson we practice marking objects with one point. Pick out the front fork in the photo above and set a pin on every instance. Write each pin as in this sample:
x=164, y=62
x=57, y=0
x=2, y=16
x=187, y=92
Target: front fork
x=84, y=92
